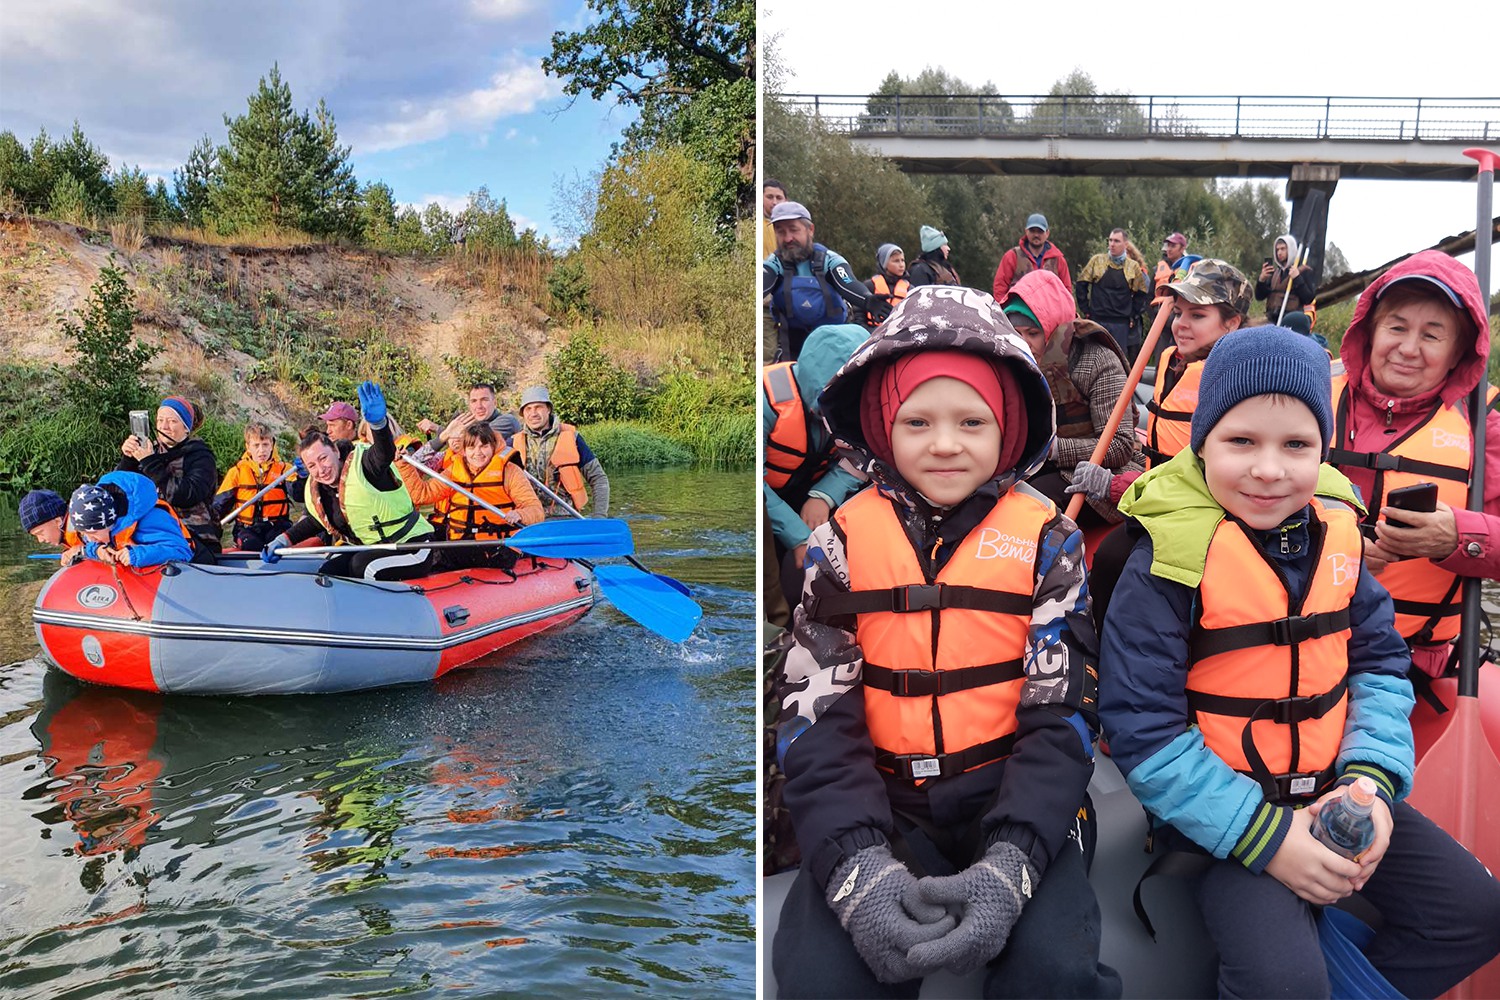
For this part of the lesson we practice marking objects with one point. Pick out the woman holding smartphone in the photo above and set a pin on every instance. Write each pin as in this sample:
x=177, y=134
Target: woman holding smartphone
x=183, y=468
x=1412, y=355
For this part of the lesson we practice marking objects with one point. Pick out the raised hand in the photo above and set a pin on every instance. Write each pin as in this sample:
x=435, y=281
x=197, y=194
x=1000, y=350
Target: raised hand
x=372, y=403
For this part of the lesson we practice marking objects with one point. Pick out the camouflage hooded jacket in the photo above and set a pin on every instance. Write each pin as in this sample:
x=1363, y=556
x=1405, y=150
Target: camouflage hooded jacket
x=839, y=801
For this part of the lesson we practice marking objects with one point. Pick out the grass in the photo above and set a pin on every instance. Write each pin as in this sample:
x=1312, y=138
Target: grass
x=622, y=443
x=265, y=237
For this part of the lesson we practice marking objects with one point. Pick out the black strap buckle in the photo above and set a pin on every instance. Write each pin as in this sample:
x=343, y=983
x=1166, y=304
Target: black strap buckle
x=917, y=766
x=917, y=597
x=1290, y=631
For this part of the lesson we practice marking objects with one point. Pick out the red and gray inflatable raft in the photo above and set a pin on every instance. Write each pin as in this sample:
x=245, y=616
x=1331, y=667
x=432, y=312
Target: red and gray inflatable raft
x=252, y=629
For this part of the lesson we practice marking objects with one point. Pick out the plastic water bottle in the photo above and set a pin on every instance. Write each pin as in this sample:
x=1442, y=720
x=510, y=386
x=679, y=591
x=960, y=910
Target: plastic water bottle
x=1344, y=826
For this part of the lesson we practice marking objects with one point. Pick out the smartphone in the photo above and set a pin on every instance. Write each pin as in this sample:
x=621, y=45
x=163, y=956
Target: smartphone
x=1421, y=497
x=140, y=425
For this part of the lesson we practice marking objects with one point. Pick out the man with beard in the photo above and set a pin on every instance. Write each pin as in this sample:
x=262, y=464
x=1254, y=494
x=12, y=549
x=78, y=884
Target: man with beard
x=1034, y=252
x=809, y=284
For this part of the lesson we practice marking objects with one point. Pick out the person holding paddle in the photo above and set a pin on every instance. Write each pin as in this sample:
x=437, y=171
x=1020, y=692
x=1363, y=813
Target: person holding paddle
x=1258, y=674
x=492, y=473
x=262, y=509
x=1412, y=354
x=355, y=497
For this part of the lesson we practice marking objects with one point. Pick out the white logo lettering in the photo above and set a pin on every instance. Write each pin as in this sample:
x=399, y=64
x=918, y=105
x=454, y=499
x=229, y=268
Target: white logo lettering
x=96, y=596
x=1338, y=563
x=995, y=544
x=1445, y=439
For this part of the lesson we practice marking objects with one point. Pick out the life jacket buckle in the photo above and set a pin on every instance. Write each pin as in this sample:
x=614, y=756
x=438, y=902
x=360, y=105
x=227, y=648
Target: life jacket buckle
x=1384, y=461
x=1290, y=631
x=917, y=597
x=1289, y=711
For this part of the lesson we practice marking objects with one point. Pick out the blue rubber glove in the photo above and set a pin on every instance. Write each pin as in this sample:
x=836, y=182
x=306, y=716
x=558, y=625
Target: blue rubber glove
x=272, y=552
x=372, y=403
x=298, y=468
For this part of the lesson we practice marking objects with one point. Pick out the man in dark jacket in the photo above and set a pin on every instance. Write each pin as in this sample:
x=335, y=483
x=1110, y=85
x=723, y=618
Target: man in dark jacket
x=1113, y=291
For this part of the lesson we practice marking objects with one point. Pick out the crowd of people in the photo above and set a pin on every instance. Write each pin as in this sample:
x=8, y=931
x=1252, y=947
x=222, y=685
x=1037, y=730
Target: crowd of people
x=358, y=478
x=1247, y=630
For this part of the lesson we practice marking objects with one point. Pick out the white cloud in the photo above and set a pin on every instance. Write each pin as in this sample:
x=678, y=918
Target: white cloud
x=516, y=89
x=511, y=133
x=500, y=10
x=450, y=203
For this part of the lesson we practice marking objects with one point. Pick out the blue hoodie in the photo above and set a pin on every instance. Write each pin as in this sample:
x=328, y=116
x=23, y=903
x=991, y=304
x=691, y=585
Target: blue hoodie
x=158, y=536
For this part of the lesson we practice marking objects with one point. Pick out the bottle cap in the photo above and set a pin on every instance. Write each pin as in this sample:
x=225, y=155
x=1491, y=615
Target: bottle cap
x=1362, y=792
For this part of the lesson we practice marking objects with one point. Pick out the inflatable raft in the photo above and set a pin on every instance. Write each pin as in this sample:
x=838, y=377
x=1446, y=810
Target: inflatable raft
x=253, y=629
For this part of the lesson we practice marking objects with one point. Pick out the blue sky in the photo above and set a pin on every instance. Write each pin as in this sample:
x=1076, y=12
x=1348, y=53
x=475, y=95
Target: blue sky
x=436, y=97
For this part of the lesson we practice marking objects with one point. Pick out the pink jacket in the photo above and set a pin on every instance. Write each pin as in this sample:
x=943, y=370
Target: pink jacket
x=1478, y=552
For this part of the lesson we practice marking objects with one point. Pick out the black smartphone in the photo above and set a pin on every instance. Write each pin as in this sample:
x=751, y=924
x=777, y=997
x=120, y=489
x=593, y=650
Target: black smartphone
x=1421, y=497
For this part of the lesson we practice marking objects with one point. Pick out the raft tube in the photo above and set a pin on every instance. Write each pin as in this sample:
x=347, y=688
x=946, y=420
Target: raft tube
x=253, y=629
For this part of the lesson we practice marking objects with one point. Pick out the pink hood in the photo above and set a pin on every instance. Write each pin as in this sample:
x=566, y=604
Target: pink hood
x=1355, y=350
x=1047, y=297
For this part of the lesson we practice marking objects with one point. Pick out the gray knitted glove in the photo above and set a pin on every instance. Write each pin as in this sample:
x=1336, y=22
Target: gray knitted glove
x=988, y=896
x=1090, y=479
x=876, y=900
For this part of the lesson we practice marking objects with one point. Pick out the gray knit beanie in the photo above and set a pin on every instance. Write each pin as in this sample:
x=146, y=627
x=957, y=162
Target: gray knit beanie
x=1258, y=361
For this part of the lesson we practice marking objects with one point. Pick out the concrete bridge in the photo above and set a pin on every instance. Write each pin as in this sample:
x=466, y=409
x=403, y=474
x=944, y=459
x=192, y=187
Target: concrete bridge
x=1311, y=141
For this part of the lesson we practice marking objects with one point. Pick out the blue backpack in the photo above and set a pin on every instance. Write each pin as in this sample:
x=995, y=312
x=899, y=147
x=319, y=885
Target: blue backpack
x=808, y=301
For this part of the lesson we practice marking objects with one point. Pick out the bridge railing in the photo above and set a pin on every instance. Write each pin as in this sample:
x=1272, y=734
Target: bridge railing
x=1390, y=119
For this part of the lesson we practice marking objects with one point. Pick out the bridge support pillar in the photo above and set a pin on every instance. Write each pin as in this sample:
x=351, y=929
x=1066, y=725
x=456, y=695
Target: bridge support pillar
x=1309, y=190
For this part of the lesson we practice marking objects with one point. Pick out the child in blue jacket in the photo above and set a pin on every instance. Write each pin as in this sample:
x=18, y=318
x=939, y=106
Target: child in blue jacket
x=1250, y=671
x=121, y=520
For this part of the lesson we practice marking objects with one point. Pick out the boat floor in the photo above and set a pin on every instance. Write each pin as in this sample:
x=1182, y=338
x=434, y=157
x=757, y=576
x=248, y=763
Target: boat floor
x=1182, y=961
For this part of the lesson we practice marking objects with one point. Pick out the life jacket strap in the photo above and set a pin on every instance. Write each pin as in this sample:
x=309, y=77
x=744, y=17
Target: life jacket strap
x=1206, y=642
x=1384, y=461
x=918, y=597
x=1156, y=456
x=1283, y=711
x=1164, y=414
x=925, y=683
x=396, y=526
x=920, y=766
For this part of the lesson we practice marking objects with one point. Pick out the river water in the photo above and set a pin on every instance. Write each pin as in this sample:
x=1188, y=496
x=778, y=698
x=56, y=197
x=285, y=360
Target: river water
x=578, y=821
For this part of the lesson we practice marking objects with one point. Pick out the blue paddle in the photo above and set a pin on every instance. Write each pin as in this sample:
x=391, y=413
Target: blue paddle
x=649, y=600
x=596, y=538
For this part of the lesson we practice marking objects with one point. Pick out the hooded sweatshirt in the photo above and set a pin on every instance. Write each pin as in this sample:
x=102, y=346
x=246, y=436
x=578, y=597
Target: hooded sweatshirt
x=1304, y=289
x=1083, y=363
x=157, y=538
x=1366, y=427
x=839, y=801
x=826, y=350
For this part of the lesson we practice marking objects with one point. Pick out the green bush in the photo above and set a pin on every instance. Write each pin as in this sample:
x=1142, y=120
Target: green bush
x=587, y=387
x=618, y=444
x=568, y=285
x=57, y=450
x=728, y=439
x=108, y=372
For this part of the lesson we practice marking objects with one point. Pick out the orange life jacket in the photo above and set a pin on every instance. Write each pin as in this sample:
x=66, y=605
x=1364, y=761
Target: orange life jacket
x=250, y=480
x=1439, y=449
x=565, y=460
x=1163, y=276
x=943, y=660
x=1169, y=426
x=880, y=287
x=122, y=539
x=462, y=518
x=791, y=469
x=1267, y=676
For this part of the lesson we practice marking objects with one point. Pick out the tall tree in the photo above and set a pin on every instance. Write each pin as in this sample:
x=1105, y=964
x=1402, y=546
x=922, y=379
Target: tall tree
x=192, y=182
x=283, y=168
x=689, y=68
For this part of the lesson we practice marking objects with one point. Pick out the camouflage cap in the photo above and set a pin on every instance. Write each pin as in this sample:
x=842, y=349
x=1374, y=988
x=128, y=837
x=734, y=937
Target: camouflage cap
x=1212, y=281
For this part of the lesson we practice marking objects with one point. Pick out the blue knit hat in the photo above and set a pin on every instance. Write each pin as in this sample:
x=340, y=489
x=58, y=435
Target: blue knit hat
x=1258, y=361
x=41, y=506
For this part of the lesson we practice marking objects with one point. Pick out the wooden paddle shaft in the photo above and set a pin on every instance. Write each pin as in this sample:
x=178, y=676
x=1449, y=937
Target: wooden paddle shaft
x=1132, y=379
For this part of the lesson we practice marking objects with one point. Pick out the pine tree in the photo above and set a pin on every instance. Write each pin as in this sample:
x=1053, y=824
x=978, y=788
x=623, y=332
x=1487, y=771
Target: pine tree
x=193, y=182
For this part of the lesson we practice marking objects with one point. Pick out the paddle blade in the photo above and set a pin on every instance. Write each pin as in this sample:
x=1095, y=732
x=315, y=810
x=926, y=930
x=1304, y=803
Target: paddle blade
x=649, y=601
x=1457, y=785
x=590, y=538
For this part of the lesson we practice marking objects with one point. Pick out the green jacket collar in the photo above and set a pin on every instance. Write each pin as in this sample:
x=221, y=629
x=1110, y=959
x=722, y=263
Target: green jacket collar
x=1173, y=504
